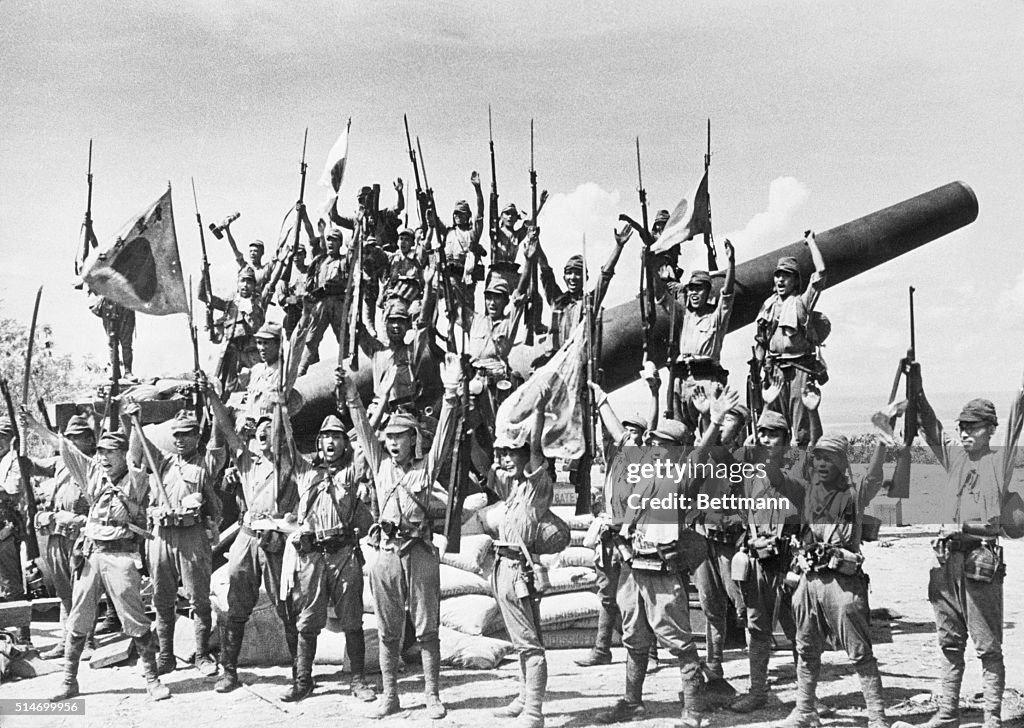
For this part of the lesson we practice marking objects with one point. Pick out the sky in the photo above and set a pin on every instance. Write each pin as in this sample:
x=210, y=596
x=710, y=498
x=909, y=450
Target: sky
x=821, y=113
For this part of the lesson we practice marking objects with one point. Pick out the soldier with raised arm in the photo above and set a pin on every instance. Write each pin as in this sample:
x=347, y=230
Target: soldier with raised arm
x=183, y=509
x=406, y=573
x=831, y=599
x=268, y=495
x=965, y=584
x=109, y=559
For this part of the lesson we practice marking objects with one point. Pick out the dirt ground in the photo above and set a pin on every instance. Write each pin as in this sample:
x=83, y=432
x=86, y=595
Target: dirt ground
x=898, y=565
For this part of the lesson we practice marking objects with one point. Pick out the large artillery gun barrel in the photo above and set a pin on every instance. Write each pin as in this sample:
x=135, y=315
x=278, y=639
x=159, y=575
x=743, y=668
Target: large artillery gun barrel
x=849, y=250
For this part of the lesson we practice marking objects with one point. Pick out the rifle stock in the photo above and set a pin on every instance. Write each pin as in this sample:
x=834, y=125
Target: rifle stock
x=909, y=370
x=493, y=203
x=205, y=286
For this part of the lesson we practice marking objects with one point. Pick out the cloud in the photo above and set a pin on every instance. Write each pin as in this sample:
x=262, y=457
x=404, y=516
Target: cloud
x=785, y=196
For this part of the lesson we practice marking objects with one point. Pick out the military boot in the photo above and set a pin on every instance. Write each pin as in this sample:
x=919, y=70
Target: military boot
x=630, y=706
x=387, y=702
x=231, y=636
x=58, y=649
x=146, y=646
x=203, y=662
x=871, y=687
x=532, y=716
x=355, y=646
x=110, y=623
x=692, y=678
x=432, y=680
x=72, y=657
x=993, y=674
x=805, y=714
x=513, y=709
x=291, y=639
x=759, y=648
x=302, y=685
x=166, y=662
x=948, y=714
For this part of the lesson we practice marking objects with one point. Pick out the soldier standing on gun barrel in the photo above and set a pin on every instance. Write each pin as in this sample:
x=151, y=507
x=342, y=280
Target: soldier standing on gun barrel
x=786, y=341
x=256, y=251
x=243, y=316
x=109, y=560
x=965, y=584
x=521, y=472
x=182, y=507
x=463, y=252
x=326, y=289
x=119, y=325
x=406, y=574
x=831, y=599
x=263, y=380
x=326, y=571
x=63, y=516
x=255, y=554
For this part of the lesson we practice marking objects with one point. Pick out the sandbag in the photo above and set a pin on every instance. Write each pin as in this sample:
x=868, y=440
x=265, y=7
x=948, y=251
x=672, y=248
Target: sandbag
x=456, y=582
x=474, y=554
x=573, y=556
x=471, y=614
x=570, y=579
x=471, y=652
x=566, y=609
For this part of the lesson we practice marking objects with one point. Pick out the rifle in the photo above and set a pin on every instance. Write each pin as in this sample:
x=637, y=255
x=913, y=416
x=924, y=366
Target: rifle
x=45, y=414
x=493, y=204
x=459, y=471
x=421, y=198
x=909, y=370
x=709, y=242
x=31, y=542
x=647, y=310
x=87, y=234
x=205, y=287
x=755, y=401
x=197, y=404
x=442, y=259
x=268, y=291
x=531, y=292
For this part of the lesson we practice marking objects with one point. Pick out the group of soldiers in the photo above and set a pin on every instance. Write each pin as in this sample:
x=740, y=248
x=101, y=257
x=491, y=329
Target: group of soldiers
x=380, y=477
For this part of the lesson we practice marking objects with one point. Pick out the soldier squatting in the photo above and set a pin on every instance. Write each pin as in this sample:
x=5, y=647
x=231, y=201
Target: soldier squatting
x=381, y=476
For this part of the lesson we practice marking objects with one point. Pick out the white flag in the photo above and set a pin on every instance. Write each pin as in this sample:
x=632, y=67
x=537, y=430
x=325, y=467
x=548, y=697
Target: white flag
x=337, y=159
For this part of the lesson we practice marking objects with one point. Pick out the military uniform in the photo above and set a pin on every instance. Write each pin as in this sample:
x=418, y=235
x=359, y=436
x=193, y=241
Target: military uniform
x=416, y=372
x=783, y=331
x=243, y=316
x=965, y=583
x=406, y=574
x=109, y=561
x=181, y=549
x=327, y=280
x=462, y=253
x=255, y=555
x=327, y=574
x=119, y=325
x=653, y=598
x=263, y=380
x=11, y=524
x=831, y=599
x=528, y=499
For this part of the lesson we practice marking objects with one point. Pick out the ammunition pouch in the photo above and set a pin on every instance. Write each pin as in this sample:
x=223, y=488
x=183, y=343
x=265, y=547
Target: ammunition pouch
x=769, y=548
x=176, y=519
x=112, y=546
x=329, y=541
x=403, y=536
x=272, y=542
x=700, y=368
x=45, y=523
x=663, y=558
x=822, y=558
x=729, y=535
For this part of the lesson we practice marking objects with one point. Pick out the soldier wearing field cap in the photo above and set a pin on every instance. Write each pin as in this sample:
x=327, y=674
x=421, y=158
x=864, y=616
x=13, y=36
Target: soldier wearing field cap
x=490, y=337
x=700, y=328
x=263, y=380
x=243, y=316
x=405, y=262
x=522, y=471
x=323, y=575
x=510, y=237
x=183, y=509
x=328, y=278
x=463, y=253
x=267, y=497
x=662, y=551
x=109, y=559
x=11, y=523
x=406, y=573
x=965, y=584
x=62, y=516
x=786, y=341
x=382, y=226
x=831, y=599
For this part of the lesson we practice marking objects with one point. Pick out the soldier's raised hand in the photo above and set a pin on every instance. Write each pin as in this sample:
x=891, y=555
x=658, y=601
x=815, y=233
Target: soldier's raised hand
x=725, y=401
x=623, y=235
x=730, y=251
x=475, y=178
x=130, y=408
x=451, y=371
x=399, y=185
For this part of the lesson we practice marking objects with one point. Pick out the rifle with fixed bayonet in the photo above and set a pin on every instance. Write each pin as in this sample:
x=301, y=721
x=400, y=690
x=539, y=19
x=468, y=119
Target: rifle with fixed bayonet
x=709, y=242
x=205, y=286
x=422, y=204
x=910, y=371
x=442, y=258
x=88, y=236
x=266, y=295
x=647, y=310
x=531, y=271
x=493, y=202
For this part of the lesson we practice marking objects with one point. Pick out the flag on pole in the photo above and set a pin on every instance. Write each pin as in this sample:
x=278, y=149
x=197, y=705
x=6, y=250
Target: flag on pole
x=563, y=426
x=142, y=269
x=337, y=159
x=687, y=220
